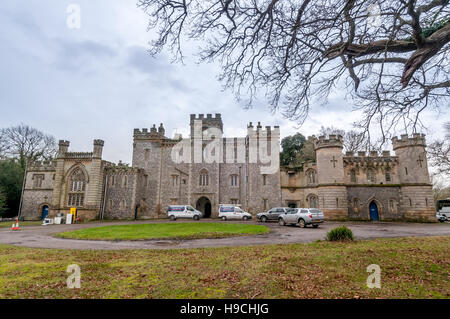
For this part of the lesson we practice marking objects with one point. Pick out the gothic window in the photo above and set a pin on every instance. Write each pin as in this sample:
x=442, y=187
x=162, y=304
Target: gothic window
x=77, y=186
x=125, y=181
x=264, y=179
x=311, y=175
x=234, y=180
x=113, y=180
x=38, y=178
x=370, y=175
x=353, y=176
x=204, y=178
x=406, y=170
x=312, y=200
x=388, y=175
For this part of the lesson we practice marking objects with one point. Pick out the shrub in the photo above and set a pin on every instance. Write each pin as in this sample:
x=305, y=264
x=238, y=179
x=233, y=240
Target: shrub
x=340, y=233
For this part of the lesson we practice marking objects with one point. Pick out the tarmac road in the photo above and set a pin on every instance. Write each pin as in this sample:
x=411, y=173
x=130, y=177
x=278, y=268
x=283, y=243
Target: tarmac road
x=41, y=236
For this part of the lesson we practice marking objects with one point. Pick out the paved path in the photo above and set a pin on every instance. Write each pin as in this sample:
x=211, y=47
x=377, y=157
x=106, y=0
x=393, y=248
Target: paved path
x=41, y=236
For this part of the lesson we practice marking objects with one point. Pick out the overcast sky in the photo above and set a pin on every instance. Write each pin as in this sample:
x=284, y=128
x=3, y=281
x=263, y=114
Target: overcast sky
x=98, y=81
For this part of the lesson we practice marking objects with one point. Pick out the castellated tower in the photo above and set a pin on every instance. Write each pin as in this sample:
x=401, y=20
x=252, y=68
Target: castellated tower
x=332, y=191
x=416, y=201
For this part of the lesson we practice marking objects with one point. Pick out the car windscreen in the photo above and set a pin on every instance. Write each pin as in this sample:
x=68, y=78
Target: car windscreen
x=227, y=209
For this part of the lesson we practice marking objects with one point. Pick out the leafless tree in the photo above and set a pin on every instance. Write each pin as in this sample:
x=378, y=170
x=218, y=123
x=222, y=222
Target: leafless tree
x=26, y=143
x=353, y=140
x=3, y=144
x=391, y=56
x=439, y=154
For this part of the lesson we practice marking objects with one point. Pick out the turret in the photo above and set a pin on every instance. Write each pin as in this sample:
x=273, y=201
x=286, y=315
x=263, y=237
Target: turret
x=329, y=159
x=98, y=148
x=412, y=160
x=63, y=147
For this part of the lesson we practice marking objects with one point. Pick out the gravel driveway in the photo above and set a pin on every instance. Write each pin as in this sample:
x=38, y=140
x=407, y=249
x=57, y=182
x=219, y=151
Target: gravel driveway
x=41, y=236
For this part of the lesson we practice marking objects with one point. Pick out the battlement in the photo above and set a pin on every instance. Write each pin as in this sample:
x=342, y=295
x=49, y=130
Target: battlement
x=332, y=141
x=217, y=117
x=78, y=155
x=99, y=142
x=154, y=133
x=42, y=166
x=251, y=130
x=417, y=139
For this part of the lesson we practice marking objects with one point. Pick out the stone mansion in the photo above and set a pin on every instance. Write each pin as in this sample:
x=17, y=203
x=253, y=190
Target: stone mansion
x=345, y=186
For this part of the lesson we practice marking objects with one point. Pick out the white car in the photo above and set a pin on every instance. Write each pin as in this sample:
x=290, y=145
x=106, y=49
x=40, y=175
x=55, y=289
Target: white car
x=183, y=211
x=232, y=212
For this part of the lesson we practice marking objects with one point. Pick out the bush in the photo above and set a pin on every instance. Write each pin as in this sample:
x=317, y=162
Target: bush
x=340, y=233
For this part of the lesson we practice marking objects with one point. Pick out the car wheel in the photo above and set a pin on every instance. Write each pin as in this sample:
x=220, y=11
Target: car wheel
x=172, y=217
x=245, y=218
x=301, y=223
x=315, y=226
x=264, y=219
x=224, y=218
x=281, y=222
x=196, y=217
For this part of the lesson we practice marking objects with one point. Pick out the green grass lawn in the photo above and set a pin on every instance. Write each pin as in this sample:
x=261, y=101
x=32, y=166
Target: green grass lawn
x=25, y=223
x=410, y=268
x=165, y=230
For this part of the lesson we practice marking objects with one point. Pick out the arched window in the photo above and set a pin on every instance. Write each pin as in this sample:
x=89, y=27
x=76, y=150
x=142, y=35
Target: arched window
x=204, y=178
x=311, y=175
x=312, y=200
x=77, y=186
x=353, y=176
x=370, y=175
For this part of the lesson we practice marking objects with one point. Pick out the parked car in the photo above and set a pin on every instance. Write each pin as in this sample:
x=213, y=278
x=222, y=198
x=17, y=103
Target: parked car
x=441, y=218
x=183, y=211
x=272, y=214
x=302, y=217
x=232, y=212
x=443, y=214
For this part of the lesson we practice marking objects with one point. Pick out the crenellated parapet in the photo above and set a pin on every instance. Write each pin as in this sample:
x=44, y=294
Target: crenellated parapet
x=332, y=141
x=42, y=166
x=259, y=131
x=417, y=139
x=153, y=133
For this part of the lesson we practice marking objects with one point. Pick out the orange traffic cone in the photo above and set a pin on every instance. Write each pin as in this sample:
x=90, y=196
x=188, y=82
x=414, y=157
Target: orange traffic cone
x=16, y=226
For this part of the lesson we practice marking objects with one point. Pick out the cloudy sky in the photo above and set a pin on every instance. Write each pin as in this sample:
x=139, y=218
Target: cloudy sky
x=98, y=81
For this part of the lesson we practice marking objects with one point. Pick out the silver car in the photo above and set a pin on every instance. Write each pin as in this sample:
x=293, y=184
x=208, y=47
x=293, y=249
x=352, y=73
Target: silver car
x=302, y=217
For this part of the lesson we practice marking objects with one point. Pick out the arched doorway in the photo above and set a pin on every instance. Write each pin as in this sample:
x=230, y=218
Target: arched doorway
x=44, y=211
x=373, y=211
x=204, y=205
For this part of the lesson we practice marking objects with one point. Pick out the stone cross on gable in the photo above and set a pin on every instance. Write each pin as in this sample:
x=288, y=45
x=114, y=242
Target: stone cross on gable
x=334, y=161
x=420, y=160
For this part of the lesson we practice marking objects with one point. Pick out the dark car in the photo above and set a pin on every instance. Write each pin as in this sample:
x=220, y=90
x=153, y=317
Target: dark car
x=271, y=214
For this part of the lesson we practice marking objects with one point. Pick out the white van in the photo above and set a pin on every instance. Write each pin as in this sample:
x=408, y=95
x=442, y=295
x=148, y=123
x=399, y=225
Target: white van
x=232, y=212
x=183, y=211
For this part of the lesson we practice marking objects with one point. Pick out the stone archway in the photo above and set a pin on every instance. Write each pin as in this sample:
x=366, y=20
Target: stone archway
x=204, y=205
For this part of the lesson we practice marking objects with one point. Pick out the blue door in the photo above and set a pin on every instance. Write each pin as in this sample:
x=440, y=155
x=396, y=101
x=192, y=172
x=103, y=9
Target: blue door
x=373, y=209
x=44, y=212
